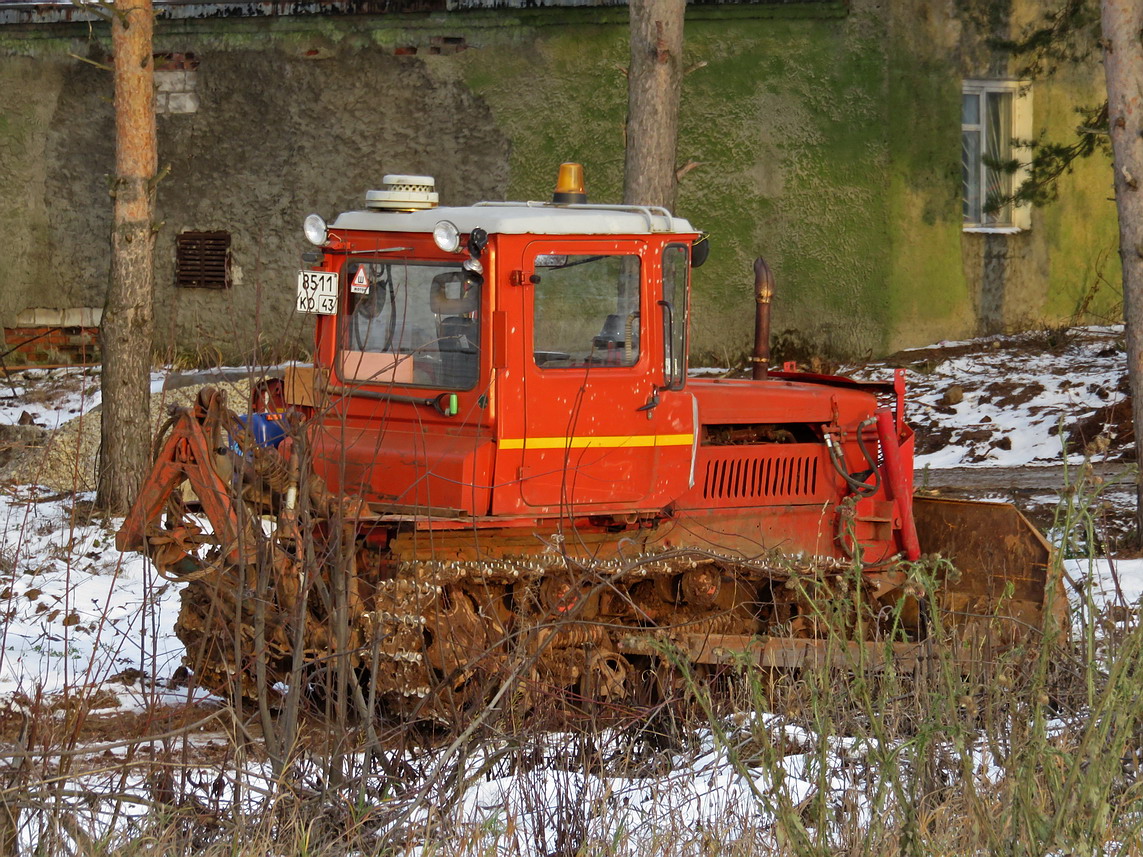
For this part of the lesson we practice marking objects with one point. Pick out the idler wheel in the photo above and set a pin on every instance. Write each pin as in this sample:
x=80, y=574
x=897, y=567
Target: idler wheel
x=559, y=595
x=700, y=586
x=607, y=675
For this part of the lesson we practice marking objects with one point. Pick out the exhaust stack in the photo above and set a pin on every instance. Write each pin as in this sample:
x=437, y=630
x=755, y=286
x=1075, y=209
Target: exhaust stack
x=763, y=295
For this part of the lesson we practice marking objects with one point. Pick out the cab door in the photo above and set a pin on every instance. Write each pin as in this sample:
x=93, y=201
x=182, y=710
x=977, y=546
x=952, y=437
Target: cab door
x=600, y=431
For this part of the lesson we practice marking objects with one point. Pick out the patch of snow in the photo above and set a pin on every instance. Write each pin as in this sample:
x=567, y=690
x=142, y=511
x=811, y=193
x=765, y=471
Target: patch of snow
x=52, y=397
x=1017, y=399
x=77, y=611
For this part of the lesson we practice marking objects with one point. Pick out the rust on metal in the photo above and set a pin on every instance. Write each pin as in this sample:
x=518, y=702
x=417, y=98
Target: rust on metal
x=1004, y=566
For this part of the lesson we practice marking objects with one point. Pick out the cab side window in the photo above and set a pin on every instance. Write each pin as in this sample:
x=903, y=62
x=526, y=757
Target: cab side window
x=586, y=310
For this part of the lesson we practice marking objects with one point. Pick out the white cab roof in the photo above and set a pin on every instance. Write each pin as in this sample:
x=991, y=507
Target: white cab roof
x=521, y=218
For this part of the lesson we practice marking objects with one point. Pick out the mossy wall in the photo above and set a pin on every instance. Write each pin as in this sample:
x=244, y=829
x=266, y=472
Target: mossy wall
x=784, y=117
x=1065, y=269
x=927, y=295
x=25, y=128
x=824, y=137
x=1082, y=268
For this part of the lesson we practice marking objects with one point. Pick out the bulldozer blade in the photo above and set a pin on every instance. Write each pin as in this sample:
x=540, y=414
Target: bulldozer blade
x=1006, y=588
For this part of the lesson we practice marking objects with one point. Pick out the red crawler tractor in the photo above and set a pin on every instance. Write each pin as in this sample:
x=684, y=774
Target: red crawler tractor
x=498, y=463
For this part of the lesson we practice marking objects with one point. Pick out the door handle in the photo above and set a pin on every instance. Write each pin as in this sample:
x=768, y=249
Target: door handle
x=652, y=403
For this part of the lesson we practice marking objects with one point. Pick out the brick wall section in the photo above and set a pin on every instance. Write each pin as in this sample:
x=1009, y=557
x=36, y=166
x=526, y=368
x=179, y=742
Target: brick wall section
x=176, y=83
x=51, y=346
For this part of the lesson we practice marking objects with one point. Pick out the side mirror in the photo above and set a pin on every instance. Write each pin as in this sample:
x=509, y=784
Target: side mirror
x=477, y=241
x=700, y=251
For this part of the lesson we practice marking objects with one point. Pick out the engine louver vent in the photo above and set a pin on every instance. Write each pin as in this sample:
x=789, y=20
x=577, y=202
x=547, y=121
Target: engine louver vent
x=756, y=477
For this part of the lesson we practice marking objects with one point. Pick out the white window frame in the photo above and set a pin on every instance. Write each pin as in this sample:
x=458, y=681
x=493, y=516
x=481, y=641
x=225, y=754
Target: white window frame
x=1018, y=217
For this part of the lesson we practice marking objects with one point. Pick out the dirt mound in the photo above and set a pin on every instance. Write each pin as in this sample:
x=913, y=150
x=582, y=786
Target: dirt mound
x=16, y=440
x=1109, y=428
x=67, y=459
x=1016, y=400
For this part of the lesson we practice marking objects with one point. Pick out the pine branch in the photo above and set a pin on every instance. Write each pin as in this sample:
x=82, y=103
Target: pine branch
x=1052, y=160
x=1067, y=35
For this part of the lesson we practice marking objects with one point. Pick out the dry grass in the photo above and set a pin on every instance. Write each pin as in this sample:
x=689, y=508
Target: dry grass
x=1038, y=756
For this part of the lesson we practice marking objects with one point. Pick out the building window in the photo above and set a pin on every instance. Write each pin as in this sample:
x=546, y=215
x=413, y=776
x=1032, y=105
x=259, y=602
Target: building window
x=996, y=124
x=202, y=260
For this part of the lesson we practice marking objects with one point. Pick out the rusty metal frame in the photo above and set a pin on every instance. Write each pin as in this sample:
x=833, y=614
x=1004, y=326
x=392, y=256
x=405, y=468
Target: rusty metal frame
x=186, y=455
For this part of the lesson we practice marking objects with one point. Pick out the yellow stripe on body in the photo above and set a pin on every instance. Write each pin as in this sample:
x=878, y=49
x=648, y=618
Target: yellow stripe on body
x=612, y=441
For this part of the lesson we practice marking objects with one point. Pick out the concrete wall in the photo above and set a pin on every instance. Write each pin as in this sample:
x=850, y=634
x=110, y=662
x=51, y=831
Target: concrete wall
x=279, y=133
x=826, y=138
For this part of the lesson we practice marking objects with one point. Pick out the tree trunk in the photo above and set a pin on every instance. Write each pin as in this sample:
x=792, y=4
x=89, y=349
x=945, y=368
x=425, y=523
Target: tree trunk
x=1123, y=65
x=128, y=315
x=654, y=83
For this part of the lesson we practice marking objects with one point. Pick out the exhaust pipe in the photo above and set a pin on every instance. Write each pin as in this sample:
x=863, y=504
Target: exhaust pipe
x=763, y=294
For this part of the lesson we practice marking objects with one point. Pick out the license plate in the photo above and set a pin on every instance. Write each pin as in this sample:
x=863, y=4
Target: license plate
x=317, y=292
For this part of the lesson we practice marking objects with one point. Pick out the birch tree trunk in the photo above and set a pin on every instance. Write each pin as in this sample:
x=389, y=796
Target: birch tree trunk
x=654, y=83
x=1123, y=65
x=128, y=315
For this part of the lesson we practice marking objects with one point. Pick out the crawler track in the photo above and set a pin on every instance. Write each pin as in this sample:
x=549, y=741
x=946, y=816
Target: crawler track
x=434, y=638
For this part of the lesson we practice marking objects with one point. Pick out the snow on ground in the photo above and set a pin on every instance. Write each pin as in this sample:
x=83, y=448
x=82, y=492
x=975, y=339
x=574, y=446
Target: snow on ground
x=706, y=796
x=1012, y=401
x=78, y=612
x=52, y=397
x=1112, y=581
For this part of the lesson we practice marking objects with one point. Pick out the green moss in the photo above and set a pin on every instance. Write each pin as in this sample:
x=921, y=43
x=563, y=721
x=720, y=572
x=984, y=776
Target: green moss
x=572, y=108
x=1084, y=271
x=789, y=116
x=926, y=287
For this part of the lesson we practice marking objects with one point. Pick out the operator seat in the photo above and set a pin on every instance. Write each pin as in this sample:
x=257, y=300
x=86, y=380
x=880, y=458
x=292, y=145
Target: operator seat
x=458, y=335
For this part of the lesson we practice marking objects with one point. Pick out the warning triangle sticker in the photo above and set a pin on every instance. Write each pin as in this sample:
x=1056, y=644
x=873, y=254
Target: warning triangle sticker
x=360, y=284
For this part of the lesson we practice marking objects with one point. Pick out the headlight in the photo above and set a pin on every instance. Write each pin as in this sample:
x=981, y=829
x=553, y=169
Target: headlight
x=315, y=230
x=447, y=236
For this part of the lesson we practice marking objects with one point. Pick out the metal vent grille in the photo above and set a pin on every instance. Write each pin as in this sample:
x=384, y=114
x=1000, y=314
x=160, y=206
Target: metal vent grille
x=202, y=260
x=760, y=477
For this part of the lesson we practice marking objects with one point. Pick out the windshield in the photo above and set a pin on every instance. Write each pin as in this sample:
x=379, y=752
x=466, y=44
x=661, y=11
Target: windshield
x=413, y=323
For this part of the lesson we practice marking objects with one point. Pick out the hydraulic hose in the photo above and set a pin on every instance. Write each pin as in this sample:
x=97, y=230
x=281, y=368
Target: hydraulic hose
x=860, y=488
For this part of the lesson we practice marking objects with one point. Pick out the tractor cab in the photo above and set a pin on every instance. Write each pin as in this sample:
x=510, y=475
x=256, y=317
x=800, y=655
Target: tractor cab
x=501, y=359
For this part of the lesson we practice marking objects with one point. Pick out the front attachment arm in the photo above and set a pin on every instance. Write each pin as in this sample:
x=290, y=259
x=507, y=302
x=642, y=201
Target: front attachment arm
x=187, y=454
